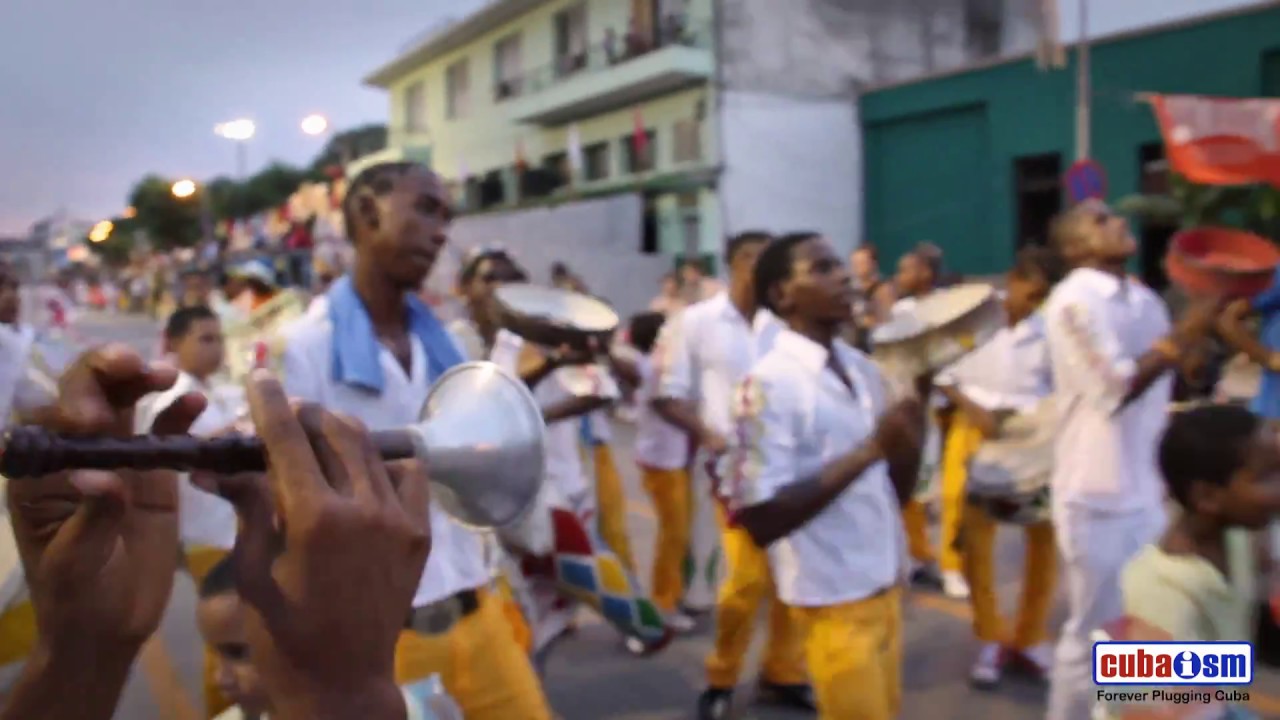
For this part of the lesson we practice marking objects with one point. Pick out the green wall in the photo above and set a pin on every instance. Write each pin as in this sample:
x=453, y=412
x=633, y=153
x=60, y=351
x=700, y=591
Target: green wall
x=940, y=152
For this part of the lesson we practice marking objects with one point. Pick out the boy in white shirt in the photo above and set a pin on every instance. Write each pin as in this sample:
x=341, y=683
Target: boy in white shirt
x=819, y=467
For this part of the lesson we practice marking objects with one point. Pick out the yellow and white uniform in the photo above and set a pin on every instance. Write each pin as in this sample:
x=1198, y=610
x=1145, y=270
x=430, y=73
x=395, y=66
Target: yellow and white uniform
x=841, y=572
x=611, y=497
x=661, y=451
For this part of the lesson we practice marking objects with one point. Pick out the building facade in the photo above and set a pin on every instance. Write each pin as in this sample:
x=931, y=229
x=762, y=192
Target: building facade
x=973, y=160
x=717, y=115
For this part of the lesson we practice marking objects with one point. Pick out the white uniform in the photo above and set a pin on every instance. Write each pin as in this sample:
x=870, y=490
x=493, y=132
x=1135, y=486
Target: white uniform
x=701, y=355
x=659, y=444
x=1107, y=488
x=1009, y=372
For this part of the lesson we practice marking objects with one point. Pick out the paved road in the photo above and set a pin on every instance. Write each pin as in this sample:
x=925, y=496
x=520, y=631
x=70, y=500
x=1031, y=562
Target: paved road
x=591, y=677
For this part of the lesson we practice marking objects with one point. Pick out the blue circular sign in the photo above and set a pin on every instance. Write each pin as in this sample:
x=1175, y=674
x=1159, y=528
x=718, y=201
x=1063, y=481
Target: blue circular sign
x=1086, y=180
x=1187, y=665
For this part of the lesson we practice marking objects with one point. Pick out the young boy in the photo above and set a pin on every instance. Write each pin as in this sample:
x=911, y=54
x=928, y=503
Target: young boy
x=1008, y=375
x=1201, y=582
x=220, y=618
x=661, y=450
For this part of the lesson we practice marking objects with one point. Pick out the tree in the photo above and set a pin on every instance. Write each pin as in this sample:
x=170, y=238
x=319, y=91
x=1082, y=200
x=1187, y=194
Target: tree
x=350, y=145
x=1255, y=208
x=169, y=221
x=118, y=246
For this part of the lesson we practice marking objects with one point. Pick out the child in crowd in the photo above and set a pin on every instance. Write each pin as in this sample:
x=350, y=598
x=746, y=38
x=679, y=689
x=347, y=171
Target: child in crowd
x=220, y=616
x=661, y=451
x=1203, y=580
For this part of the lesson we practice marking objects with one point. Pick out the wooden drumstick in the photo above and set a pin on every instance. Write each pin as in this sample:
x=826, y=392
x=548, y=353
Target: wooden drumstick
x=31, y=452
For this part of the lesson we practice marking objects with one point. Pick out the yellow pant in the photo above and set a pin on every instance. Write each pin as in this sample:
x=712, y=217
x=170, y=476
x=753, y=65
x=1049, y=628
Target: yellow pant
x=200, y=560
x=962, y=441
x=1039, y=576
x=515, y=616
x=855, y=657
x=611, y=505
x=747, y=585
x=669, y=491
x=17, y=633
x=480, y=663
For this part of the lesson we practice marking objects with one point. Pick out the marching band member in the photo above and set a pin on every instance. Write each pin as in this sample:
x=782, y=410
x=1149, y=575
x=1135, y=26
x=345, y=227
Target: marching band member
x=1008, y=374
x=611, y=498
x=374, y=358
x=819, y=467
x=702, y=354
x=1111, y=349
x=207, y=530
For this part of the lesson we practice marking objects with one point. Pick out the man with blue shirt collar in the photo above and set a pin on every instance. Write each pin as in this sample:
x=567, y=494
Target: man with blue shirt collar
x=373, y=356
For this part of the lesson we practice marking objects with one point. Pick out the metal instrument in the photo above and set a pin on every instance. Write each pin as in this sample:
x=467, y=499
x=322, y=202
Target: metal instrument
x=258, y=339
x=1009, y=474
x=552, y=317
x=481, y=434
x=935, y=331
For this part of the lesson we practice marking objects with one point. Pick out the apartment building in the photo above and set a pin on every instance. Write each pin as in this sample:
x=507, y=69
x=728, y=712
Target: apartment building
x=665, y=124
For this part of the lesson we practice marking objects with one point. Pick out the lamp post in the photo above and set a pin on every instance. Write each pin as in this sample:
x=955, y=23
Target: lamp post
x=239, y=131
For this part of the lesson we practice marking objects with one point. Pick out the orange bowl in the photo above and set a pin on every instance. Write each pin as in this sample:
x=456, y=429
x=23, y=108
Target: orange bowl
x=1221, y=261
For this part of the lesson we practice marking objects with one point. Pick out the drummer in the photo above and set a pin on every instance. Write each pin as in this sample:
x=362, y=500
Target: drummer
x=374, y=358
x=1010, y=373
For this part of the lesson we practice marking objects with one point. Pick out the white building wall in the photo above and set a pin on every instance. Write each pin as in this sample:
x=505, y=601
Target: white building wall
x=793, y=164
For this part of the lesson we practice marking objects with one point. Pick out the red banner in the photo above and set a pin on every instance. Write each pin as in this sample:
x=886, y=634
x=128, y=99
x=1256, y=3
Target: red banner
x=1220, y=141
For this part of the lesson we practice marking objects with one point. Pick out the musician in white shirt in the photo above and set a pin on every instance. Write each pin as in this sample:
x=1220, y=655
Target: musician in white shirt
x=1007, y=375
x=374, y=358
x=702, y=355
x=1111, y=349
x=818, y=469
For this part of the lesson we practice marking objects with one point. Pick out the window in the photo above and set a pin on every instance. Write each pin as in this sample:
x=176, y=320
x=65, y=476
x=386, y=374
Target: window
x=1153, y=234
x=983, y=26
x=457, y=80
x=595, y=159
x=1037, y=187
x=506, y=68
x=415, y=107
x=558, y=165
x=1271, y=73
x=643, y=163
x=571, y=40
x=688, y=141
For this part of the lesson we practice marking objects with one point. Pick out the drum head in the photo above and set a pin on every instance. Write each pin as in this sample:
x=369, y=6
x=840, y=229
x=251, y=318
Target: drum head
x=938, y=309
x=559, y=307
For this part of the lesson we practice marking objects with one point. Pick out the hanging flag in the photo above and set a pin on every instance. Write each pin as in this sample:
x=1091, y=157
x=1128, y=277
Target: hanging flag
x=1220, y=141
x=640, y=139
x=573, y=149
x=1046, y=18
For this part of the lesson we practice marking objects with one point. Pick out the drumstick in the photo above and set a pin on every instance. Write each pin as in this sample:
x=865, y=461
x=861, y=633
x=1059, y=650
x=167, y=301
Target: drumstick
x=31, y=452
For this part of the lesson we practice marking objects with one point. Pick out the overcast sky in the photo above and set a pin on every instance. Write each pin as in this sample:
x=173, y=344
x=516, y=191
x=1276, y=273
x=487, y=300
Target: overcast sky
x=95, y=94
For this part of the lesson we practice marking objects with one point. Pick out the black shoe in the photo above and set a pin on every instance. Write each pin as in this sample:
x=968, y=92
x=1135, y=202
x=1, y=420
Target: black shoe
x=715, y=704
x=927, y=577
x=797, y=697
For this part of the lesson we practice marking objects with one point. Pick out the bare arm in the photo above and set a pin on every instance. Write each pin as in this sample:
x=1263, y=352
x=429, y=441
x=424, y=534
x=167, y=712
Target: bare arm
x=573, y=407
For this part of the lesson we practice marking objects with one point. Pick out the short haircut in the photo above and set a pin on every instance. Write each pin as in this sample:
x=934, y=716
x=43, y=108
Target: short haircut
x=1040, y=262
x=221, y=579
x=774, y=266
x=743, y=240
x=183, y=319
x=472, y=265
x=376, y=180
x=643, y=330
x=1209, y=444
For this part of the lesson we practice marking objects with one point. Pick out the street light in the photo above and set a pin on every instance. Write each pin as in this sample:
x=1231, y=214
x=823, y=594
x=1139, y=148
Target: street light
x=240, y=131
x=315, y=124
x=101, y=231
x=184, y=189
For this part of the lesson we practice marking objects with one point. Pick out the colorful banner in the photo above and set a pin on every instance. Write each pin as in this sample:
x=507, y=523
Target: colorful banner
x=1220, y=141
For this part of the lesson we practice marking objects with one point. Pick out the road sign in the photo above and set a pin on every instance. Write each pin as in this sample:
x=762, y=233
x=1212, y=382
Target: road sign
x=1086, y=180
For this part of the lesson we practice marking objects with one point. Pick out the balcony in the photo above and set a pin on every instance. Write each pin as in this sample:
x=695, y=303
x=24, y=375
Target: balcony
x=619, y=72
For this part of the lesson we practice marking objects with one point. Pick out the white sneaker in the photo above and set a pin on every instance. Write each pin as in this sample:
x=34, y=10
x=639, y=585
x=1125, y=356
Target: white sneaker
x=681, y=623
x=985, y=673
x=954, y=585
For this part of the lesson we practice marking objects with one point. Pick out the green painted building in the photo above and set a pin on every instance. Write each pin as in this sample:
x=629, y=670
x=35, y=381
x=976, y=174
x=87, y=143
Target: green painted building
x=973, y=160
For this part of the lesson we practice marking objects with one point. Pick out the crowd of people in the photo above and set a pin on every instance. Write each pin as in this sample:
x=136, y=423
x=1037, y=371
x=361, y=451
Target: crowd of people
x=769, y=441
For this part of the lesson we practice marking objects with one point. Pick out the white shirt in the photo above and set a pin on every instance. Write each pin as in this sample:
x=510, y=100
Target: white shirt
x=456, y=562
x=204, y=519
x=22, y=387
x=412, y=705
x=1097, y=327
x=793, y=417
x=563, y=454
x=659, y=444
x=1009, y=372
x=704, y=352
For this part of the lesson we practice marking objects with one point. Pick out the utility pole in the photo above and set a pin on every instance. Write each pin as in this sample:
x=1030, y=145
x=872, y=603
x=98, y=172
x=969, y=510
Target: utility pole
x=1084, y=85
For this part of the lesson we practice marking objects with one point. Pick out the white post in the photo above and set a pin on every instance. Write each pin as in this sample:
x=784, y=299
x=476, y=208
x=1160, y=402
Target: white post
x=1083, y=85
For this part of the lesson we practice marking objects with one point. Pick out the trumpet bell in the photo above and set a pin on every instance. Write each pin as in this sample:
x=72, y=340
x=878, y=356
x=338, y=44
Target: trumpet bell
x=482, y=439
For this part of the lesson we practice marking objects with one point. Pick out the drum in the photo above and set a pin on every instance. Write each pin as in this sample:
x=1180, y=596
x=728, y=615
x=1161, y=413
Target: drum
x=552, y=317
x=937, y=330
x=1009, y=474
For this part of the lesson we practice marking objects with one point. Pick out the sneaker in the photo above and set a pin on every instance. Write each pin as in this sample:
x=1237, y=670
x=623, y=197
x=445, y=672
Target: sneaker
x=797, y=697
x=681, y=623
x=635, y=646
x=954, y=585
x=1034, y=662
x=715, y=704
x=986, y=670
x=925, y=576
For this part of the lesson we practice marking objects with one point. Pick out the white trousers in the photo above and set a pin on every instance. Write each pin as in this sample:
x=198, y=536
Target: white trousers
x=1095, y=548
x=704, y=542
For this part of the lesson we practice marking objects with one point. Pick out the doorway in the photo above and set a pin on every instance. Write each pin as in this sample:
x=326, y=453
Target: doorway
x=649, y=226
x=1153, y=237
x=1037, y=192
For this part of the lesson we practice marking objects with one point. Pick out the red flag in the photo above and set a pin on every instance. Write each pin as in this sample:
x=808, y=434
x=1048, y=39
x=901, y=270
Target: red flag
x=639, y=138
x=1220, y=141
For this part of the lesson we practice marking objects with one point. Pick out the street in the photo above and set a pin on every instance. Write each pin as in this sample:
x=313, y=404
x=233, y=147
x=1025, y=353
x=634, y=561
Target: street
x=590, y=676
